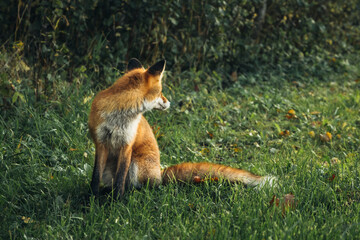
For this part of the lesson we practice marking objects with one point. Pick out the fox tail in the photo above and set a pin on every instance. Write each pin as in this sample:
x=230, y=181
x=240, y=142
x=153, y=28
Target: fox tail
x=193, y=172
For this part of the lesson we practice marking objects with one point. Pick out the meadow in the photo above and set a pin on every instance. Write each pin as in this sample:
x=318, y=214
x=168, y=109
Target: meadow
x=306, y=133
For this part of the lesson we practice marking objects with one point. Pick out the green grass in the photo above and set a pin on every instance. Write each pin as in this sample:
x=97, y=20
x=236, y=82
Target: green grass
x=46, y=159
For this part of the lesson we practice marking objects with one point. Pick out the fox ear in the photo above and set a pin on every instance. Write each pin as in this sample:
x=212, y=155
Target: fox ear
x=157, y=68
x=133, y=64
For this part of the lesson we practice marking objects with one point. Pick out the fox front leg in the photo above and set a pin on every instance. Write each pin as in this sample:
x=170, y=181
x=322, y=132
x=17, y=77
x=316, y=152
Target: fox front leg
x=123, y=165
x=101, y=156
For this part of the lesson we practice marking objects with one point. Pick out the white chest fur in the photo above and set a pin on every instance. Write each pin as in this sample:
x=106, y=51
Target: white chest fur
x=118, y=129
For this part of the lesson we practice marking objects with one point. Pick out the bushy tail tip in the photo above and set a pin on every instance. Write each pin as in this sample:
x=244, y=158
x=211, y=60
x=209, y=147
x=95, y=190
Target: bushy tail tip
x=267, y=181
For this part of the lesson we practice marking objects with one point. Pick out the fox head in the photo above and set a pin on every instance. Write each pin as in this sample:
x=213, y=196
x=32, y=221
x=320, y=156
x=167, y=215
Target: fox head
x=149, y=83
x=139, y=90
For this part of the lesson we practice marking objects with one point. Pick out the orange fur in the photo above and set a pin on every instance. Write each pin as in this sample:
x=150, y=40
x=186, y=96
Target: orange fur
x=185, y=172
x=127, y=153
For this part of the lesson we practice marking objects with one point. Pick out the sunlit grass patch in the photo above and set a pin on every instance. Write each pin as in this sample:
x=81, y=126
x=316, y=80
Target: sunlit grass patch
x=308, y=137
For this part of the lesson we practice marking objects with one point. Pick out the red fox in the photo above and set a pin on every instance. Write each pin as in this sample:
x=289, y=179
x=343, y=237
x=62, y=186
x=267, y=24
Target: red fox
x=127, y=154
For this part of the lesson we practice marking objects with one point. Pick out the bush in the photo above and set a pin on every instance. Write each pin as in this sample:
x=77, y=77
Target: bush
x=90, y=41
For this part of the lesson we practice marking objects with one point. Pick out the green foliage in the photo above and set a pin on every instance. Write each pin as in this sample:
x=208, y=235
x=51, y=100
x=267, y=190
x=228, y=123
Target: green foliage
x=90, y=40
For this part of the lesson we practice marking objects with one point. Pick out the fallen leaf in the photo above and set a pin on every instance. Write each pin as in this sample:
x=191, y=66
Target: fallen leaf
x=287, y=203
x=312, y=134
x=26, y=219
x=237, y=149
x=291, y=112
x=315, y=113
x=328, y=134
x=274, y=200
x=196, y=179
x=284, y=133
x=326, y=137
x=214, y=179
x=316, y=123
x=73, y=149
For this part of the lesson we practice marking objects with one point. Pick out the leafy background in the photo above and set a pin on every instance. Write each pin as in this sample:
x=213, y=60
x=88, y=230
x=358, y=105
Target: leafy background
x=90, y=41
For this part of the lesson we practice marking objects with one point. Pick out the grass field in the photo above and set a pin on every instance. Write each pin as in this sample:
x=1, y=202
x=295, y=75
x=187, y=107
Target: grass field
x=306, y=134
